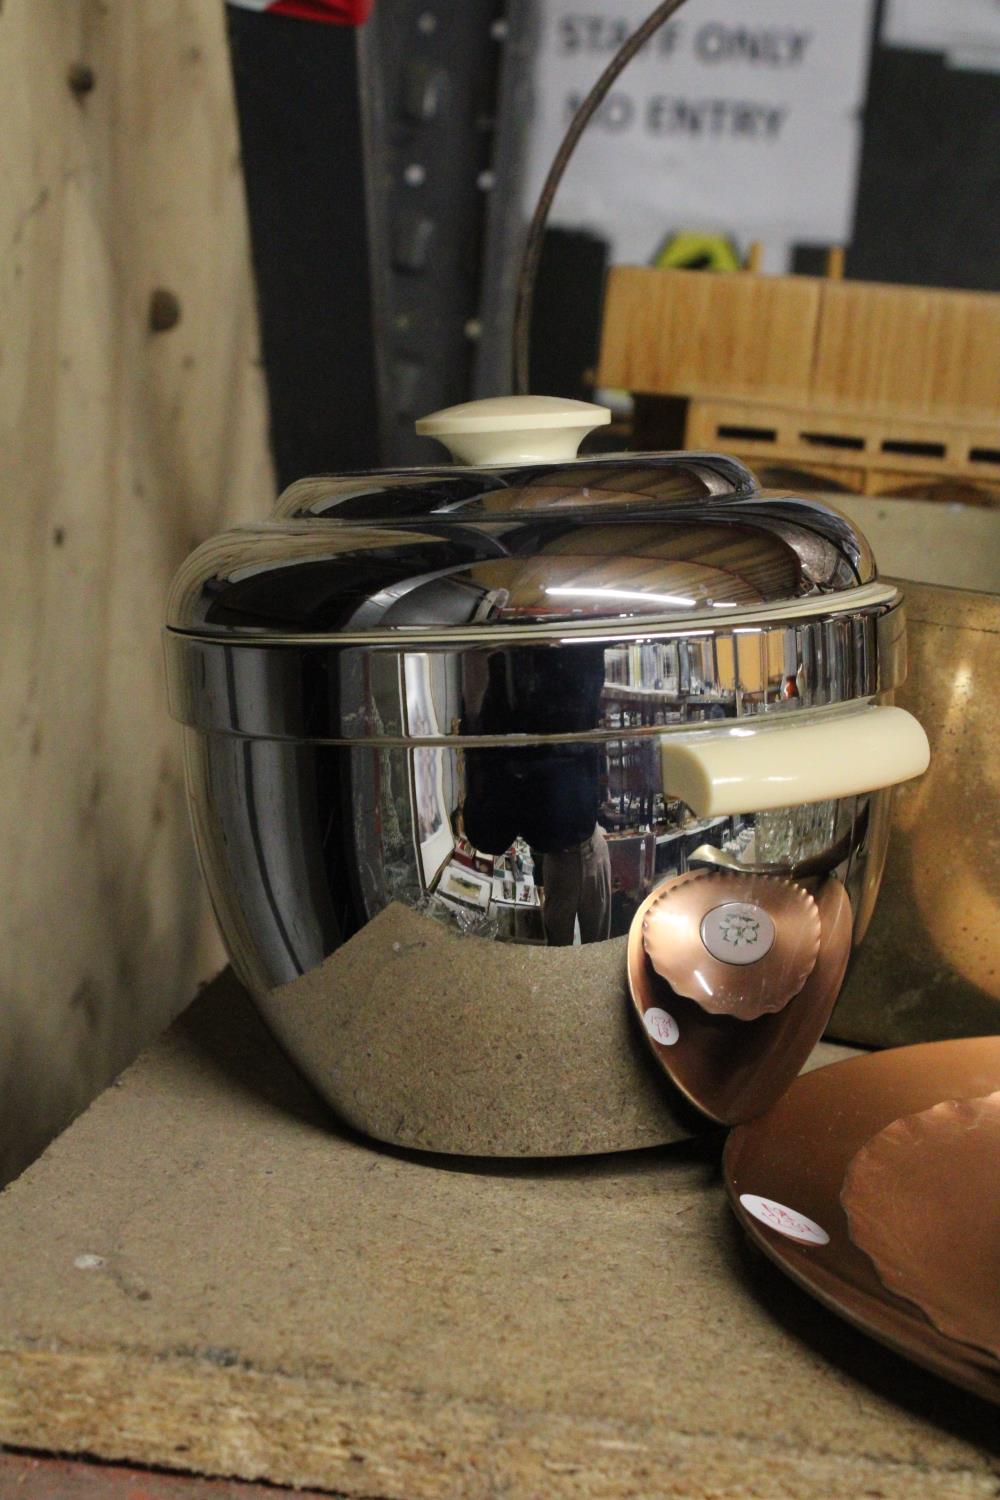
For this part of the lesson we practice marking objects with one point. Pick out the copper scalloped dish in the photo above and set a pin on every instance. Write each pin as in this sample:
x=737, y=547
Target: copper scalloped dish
x=767, y=927
x=797, y=1156
x=733, y=1069
x=922, y=1200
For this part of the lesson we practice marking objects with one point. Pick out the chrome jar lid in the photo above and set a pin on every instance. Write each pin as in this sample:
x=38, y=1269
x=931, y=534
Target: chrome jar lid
x=529, y=550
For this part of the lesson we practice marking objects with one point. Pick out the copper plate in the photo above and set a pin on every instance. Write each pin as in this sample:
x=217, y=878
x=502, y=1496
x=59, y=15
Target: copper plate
x=798, y=1154
x=739, y=945
x=731, y=1069
x=922, y=1200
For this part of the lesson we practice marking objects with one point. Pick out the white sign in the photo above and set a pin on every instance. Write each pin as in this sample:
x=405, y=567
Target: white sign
x=735, y=118
x=975, y=60
x=943, y=25
x=967, y=31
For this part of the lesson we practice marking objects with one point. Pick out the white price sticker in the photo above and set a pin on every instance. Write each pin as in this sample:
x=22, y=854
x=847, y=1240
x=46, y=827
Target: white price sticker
x=661, y=1026
x=785, y=1220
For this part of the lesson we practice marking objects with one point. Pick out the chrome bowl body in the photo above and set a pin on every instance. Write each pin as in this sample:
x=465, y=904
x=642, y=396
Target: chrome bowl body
x=425, y=714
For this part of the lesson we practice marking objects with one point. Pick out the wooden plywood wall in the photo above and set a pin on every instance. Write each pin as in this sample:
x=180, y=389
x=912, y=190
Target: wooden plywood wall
x=121, y=446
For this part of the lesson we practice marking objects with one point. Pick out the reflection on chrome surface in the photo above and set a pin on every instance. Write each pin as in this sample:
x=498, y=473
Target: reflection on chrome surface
x=551, y=844
x=347, y=693
x=431, y=703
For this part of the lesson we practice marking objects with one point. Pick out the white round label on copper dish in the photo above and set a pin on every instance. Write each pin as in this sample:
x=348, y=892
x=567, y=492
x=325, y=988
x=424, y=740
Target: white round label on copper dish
x=661, y=1026
x=785, y=1220
x=737, y=932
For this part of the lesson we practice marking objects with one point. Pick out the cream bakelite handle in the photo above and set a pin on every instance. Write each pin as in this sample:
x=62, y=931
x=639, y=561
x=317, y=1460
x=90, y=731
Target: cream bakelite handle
x=514, y=429
x=748, y=768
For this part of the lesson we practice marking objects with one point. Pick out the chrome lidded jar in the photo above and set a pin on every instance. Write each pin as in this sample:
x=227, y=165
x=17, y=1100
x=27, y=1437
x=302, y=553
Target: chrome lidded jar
x=448, y=728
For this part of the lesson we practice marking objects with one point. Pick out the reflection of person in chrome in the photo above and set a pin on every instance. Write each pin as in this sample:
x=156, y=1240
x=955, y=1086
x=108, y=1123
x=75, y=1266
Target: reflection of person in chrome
x=547, y=793
x=577, y=886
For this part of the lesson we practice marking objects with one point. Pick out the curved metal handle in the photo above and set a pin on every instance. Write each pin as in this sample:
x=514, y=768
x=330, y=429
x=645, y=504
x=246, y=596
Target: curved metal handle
x=745, y=768
x=514, y=429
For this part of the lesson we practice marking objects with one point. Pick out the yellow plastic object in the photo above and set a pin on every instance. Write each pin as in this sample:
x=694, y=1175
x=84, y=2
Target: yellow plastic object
x=746, y=768
x=693, y=250
x=514, y=429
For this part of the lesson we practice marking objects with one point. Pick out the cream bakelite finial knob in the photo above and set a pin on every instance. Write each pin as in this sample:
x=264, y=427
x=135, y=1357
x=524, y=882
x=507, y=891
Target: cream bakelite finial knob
x=514, y=429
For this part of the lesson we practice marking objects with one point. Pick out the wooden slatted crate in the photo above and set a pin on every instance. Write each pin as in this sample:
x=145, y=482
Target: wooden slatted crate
x=879, y=389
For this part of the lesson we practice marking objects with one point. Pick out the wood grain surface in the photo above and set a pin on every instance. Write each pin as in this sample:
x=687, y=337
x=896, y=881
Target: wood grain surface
x=682, y=332
x=132, y=425
x=846, y=346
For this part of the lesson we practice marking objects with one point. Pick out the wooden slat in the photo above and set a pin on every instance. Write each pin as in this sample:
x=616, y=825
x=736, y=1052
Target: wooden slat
x=695, y=333
x=119, y=449
x=908, y=351
x=730, y=426
x=888, y=352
